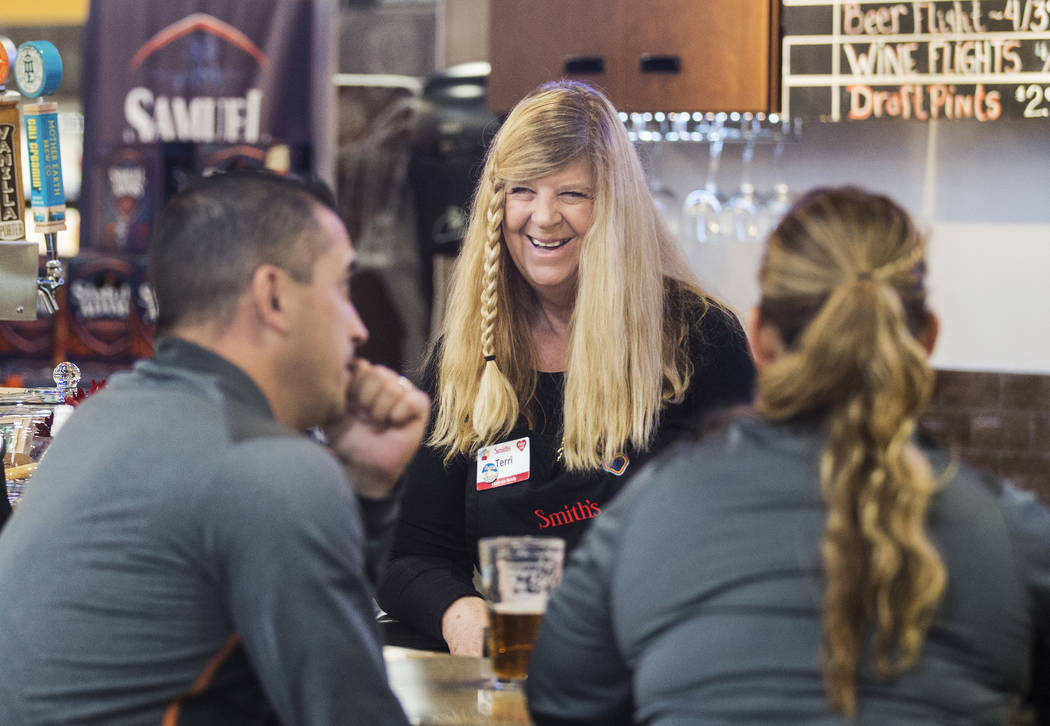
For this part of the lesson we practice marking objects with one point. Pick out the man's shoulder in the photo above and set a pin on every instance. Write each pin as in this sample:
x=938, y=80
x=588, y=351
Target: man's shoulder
x=286, y=467
x=190, y=402
x=286, y=489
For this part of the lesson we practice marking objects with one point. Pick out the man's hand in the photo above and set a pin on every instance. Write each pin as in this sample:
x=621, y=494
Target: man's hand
x=463, y=625
x=385, y=419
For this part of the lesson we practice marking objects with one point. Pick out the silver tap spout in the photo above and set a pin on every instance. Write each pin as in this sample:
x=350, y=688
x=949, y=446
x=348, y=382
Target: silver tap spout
x=46, y=286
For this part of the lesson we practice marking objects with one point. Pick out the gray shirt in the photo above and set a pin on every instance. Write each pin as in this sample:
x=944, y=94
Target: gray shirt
x=180, y=554
x=696, y=599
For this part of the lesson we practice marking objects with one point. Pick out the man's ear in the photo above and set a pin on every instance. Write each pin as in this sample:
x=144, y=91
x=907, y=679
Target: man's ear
x=268, y=292
x=766, y=344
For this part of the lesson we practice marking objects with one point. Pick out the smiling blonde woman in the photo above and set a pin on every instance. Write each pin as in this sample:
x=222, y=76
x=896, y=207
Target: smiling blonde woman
x=576, y=343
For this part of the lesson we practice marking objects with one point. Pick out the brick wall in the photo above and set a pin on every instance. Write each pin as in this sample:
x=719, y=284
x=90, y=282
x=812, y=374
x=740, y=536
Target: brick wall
x=999, y=422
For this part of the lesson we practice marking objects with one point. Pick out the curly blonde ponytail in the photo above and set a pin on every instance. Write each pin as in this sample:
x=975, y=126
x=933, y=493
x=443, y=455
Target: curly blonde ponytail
x=842, y=283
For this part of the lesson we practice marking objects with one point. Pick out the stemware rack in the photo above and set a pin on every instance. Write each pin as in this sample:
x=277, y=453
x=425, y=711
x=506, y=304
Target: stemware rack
x=732, y=127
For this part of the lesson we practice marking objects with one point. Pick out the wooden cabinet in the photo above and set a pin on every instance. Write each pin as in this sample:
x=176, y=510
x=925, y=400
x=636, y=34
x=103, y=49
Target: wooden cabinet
x=647, y=55
x=532, y=42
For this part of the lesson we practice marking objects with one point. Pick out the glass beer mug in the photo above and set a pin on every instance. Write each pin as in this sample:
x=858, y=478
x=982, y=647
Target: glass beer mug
x=518, y=574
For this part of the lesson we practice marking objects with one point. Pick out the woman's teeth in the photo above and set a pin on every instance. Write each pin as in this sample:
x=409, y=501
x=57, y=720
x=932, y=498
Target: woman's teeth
x=549, y=244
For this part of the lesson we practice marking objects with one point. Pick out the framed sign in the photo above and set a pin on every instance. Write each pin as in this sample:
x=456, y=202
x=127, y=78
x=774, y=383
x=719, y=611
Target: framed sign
x=934, y=59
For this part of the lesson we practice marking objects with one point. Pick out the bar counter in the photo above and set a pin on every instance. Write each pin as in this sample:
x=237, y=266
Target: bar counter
x=438, y=688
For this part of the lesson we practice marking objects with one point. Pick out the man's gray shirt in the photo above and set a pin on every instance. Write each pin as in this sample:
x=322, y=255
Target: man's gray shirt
x=180, y=555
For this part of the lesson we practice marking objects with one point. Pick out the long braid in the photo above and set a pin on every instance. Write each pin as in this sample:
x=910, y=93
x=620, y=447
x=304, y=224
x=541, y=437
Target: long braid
x=490, y=274
x=496, y=405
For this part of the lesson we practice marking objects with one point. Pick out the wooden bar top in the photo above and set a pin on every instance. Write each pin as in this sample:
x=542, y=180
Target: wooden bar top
x=438, y=688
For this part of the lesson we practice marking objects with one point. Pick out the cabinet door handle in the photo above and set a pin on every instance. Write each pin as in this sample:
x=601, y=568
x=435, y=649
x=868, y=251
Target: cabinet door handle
x=654, y=63
x=584, y=65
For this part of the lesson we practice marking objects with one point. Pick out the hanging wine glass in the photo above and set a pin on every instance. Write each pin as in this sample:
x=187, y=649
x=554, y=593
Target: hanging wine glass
x=665, y=198
x=741, y=209
x=702, y=208
x=781, y=198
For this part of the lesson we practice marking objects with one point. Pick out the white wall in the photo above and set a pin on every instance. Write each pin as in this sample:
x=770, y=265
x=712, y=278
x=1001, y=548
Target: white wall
x=982, y=191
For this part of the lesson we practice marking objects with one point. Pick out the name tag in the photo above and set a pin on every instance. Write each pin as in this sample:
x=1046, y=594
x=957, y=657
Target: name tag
x=504, y=463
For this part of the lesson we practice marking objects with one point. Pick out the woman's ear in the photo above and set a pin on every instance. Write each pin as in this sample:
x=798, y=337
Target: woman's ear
x=766, y=343
x=927, y=336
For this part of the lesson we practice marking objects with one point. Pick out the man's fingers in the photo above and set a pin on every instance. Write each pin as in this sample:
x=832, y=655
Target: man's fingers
x=388, y=394
x=365, y=384
x=413, y=405
x=386, y=398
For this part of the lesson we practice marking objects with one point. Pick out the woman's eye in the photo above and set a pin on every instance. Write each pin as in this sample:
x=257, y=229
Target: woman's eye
x=520, y=190
x=575, y=195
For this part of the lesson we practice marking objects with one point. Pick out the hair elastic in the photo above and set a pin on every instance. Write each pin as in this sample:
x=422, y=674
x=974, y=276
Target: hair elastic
x=489, y=357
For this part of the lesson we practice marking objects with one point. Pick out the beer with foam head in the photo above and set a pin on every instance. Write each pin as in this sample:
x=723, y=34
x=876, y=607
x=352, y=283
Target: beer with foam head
x=518, y=574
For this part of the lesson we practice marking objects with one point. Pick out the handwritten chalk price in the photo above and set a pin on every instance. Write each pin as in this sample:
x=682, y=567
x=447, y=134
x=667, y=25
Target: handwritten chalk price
x=1042, y=52
x=1035, y=97
x=1033, y=15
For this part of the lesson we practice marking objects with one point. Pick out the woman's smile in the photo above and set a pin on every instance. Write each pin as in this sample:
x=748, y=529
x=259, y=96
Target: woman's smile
x=544, y=222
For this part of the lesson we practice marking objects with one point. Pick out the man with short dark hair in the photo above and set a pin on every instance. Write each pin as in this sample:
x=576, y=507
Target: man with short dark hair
x=183, y=555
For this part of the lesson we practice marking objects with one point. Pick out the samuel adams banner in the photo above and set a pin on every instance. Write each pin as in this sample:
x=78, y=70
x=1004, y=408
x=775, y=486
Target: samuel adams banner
x=172, y=88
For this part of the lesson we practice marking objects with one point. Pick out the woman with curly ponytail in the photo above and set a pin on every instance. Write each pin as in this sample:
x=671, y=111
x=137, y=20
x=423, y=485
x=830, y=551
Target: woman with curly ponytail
x=823, y=566
x=576, y=343
x=860, y=363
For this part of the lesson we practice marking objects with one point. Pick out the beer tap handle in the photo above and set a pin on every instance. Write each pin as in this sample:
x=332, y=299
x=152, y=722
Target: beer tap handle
x=38, y=72
x=7, y=60
x=12, y=203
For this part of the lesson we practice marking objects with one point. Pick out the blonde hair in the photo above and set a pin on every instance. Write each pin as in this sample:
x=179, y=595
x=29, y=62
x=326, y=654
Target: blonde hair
x=843, y=282
x=621, y=366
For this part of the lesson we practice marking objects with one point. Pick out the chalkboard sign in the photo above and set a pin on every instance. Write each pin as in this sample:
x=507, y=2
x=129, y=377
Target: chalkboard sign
x=935, y=59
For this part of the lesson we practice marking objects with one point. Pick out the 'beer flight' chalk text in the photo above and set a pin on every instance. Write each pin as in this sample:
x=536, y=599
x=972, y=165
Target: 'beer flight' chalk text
x=936, y=59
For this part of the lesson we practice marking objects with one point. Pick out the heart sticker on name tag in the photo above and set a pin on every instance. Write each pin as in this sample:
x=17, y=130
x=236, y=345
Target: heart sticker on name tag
x=504, y=463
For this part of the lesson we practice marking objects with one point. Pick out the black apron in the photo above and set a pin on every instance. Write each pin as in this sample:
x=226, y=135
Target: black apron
x=551, y=501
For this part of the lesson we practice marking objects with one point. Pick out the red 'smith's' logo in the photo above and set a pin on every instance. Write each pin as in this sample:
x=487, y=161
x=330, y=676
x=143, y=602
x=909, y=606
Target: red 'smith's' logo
x=570, y=513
